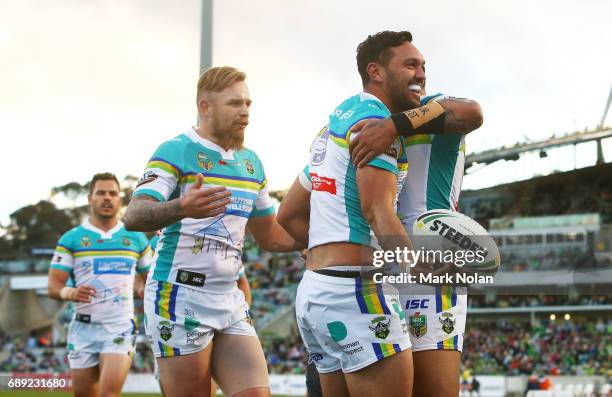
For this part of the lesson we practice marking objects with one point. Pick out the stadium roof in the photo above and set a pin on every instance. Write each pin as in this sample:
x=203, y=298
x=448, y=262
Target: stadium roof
x=512, y=153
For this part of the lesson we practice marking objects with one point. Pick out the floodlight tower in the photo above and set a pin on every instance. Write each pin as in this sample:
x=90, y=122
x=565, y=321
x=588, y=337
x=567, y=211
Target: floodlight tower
x=206, y=36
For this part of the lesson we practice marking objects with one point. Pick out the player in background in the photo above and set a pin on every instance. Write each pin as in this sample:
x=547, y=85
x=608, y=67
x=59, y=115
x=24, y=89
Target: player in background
x=102, y=258
x=197, y=318
x=294, y=211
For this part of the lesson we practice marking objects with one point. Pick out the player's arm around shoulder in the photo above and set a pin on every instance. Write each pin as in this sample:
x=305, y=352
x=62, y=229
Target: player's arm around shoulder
x=462, y=115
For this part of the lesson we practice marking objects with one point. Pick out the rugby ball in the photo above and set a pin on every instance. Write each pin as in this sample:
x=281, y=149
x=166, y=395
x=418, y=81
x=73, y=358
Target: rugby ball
x=458, y=238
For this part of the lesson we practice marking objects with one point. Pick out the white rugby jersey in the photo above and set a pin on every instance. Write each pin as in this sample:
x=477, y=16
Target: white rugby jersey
x=335, y=208
x=204, y=253
x=106, y=261
x=435, y=173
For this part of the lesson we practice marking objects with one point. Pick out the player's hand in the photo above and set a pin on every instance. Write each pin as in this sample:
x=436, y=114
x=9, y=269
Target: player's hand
x=83, y=293
x=201, y=202
x=375, y=136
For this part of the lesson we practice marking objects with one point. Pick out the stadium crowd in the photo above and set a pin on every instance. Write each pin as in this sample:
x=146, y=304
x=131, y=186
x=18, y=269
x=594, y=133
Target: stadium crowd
x=513, y=348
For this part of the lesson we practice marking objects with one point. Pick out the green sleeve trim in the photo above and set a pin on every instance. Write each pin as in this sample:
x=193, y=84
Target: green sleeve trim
x=149, y=192
x=260, y=213
x=62, y=268
x=379, y=163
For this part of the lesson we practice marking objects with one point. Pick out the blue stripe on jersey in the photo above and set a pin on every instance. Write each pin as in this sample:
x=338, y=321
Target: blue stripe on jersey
x=359, y=295
x=164, y=160
x=454, y=298
x=172, y=305
x=397, y=348
x=441, y=345
x=381, y=297
x=227, y=176
x=378, y=351
x=438, y=300
x=160, y=285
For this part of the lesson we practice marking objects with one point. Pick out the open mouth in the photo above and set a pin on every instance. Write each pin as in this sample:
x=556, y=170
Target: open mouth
x=107, y=206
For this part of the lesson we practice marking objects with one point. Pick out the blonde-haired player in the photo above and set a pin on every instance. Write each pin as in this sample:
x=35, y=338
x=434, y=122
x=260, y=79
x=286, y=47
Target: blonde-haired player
x=203, y=189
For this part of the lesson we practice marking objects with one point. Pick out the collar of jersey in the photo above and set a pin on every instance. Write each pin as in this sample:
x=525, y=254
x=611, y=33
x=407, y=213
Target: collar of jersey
x=366, y=95
x=225, y=154
x=87, y=225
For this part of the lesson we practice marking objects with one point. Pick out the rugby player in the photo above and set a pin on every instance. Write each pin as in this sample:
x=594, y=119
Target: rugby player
x=463, y=117
x=101, y=257
x=197, y=318
x=436, y=315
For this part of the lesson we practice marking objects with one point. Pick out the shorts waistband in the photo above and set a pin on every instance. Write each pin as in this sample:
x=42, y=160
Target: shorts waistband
x=337, y=277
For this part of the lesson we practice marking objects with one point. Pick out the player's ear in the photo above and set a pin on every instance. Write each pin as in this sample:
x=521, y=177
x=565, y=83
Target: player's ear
x=376, y=72
x=203, y=104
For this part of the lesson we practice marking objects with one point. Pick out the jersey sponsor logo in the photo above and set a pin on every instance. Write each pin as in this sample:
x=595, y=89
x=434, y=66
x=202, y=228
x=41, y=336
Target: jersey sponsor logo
x=448, y=324
x=147, y=177
x=204, y=161
x=249, y=166
x=418, y=324
x=126, y=242
x=323, y=184
x=381, y=329
x=417, y=304
x=112, y=266
x=190, y=278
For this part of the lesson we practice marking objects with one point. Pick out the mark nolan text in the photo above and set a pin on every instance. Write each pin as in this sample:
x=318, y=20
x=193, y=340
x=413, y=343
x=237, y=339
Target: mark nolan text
x=428, y=278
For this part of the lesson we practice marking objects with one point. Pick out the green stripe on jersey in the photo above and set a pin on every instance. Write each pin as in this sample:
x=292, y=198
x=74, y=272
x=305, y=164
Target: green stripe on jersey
x=442, y=163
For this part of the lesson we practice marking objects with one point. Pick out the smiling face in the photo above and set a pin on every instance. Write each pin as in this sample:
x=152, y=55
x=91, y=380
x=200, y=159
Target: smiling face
x=403, y=78
x=104, y=200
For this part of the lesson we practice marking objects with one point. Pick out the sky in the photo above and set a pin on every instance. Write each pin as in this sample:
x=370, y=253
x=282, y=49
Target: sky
x=96, y=86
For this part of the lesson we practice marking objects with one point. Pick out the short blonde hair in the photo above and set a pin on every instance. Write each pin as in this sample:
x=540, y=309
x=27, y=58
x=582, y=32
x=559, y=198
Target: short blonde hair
x=218, y=78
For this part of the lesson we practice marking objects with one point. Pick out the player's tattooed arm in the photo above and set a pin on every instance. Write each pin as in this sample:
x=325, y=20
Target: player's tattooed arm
x=147, y=214
x=449, y=115
x=462, y=115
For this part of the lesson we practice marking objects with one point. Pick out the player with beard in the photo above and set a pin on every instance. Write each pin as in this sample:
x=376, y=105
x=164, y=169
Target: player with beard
x=203, y=189
x=451, y=115
x=101, y=257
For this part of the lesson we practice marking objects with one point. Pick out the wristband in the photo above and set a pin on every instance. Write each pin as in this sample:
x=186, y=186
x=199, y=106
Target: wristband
x=66, y=292
x=427, y=119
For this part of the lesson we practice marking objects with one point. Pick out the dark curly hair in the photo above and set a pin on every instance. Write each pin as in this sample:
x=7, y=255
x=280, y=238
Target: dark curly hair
x=377, y=48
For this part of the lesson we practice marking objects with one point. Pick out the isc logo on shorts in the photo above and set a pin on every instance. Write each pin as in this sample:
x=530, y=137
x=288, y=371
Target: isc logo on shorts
x=417, y=304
